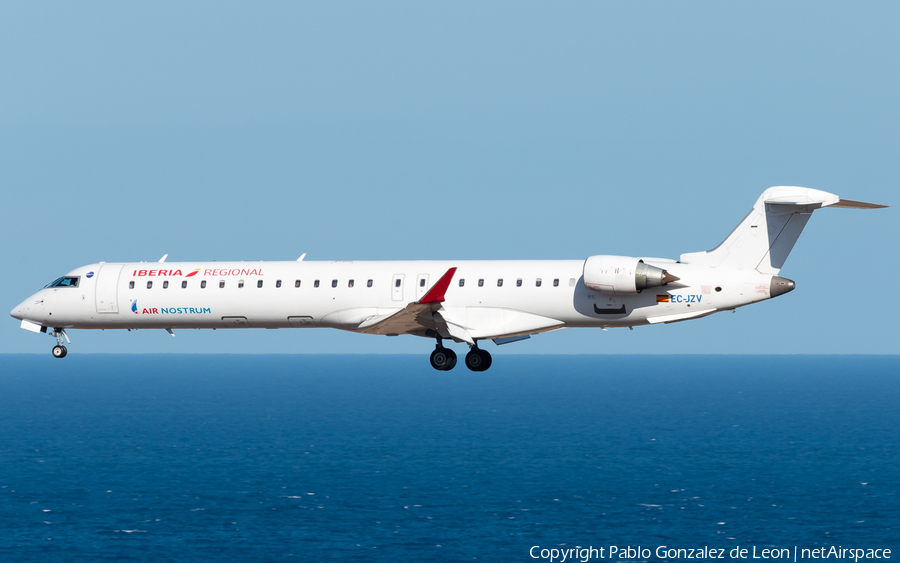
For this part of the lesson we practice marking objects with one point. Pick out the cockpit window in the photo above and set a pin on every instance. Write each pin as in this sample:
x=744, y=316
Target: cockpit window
x=64, y=282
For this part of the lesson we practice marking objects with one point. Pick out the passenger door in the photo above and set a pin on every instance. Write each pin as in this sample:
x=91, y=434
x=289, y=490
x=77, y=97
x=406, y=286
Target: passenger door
x=106, y=294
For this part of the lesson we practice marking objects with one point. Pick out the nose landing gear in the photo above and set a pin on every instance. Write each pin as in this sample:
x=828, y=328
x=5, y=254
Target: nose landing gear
x=59, y=351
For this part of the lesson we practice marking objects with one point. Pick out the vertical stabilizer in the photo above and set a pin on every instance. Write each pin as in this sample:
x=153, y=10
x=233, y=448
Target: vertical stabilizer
x=763, y=240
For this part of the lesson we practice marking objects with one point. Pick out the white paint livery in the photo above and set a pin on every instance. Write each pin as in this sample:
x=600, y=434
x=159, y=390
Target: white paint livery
x=463, y=301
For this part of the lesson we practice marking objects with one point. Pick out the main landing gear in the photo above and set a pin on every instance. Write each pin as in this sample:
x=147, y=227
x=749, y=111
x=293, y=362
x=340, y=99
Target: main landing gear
x=478, y=359
x=59, y=351
x=444, y=359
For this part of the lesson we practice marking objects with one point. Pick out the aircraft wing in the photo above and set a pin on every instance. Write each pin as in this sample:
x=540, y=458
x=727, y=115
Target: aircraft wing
x=415, y=316
x=429, y=313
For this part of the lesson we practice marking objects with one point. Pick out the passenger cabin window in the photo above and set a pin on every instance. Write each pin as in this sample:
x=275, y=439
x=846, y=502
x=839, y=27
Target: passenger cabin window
x=259, y=283
x=277, y=283
x=333, y=283
x=166, y=284
x=240, y=284
x=369, y=283
x=131, y=285
x=350, y=283
x=316, y=283
x=184, y=284
x=397, y=283
x=571, y=282
x=500, y=282
x=149, y=284
x=537, y=282
x=203, y=284
x=64, y=282
x=481, y=282
x=519, y=282
x=296, y=283
x=556, y=282
x=462, y=282
x=221, y=284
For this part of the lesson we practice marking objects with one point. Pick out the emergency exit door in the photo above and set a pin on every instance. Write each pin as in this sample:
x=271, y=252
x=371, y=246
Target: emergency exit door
x=421, y=286
x=397, y=287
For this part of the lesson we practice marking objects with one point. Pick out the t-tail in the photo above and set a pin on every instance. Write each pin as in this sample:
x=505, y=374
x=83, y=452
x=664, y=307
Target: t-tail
x=763, y=240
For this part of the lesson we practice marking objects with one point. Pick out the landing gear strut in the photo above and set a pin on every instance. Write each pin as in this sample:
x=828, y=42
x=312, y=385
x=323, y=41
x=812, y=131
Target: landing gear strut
x=59, y=351
x=478, y=359
x=443, y=359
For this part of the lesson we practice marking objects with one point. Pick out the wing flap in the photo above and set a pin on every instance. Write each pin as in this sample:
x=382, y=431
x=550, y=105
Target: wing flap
x=457, y=331
x=414, y=316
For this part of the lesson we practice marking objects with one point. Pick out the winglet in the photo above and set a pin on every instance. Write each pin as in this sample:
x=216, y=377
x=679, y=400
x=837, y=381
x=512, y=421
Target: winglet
x=436, y=293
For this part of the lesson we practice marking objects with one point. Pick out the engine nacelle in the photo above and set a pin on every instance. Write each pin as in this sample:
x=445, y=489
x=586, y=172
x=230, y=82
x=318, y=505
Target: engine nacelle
x=622, y=274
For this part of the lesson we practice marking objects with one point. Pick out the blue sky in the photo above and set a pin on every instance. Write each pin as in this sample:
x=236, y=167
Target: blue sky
x=456, y=131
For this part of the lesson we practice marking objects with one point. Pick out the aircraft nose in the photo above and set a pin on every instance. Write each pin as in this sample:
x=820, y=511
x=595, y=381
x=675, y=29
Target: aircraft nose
x=23, y=309
x=18, y=311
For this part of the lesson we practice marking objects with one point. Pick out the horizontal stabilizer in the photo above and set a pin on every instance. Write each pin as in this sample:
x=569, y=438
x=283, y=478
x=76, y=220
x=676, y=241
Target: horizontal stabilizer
x=850, y=204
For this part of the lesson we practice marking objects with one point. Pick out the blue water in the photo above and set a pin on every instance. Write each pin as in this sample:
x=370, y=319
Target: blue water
x=275, y=458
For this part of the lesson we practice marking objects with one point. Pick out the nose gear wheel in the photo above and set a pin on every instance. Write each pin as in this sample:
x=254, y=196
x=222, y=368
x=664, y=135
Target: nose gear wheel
x=59, y=351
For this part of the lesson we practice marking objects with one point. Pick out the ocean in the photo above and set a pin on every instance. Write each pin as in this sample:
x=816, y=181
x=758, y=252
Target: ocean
x=381, y=458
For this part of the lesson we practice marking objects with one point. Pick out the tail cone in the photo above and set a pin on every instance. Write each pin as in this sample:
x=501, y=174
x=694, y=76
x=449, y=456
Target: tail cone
x=780, y=286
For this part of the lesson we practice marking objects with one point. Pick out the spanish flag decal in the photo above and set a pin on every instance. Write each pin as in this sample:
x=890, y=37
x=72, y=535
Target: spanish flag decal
x=662, y=298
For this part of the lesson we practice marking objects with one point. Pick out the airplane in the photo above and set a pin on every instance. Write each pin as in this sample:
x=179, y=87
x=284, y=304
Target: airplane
x=461, y=301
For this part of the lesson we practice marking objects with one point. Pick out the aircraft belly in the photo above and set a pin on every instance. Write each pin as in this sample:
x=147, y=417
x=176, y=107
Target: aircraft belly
x=493, y=322
x=348, y=318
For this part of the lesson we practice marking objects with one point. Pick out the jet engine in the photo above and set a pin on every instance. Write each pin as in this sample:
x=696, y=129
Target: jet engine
x=622, y=274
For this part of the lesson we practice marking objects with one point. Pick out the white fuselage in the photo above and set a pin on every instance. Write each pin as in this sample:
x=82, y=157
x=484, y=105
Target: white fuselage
x=492, y=299
x=463, y=301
